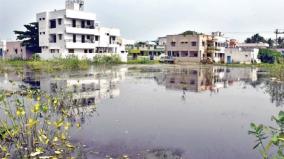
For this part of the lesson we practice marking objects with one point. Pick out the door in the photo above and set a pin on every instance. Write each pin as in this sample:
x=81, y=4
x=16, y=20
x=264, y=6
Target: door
x=229, y=59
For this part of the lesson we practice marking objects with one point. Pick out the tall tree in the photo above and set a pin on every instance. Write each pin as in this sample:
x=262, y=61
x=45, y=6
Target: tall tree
x=30, y=37
x=270, y=42
x=256, y=39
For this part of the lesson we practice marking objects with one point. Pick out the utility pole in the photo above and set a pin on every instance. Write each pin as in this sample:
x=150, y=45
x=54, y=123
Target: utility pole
x=278, y=32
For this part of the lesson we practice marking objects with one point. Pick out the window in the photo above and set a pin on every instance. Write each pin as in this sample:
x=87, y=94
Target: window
x=184, y=53
x=203, y=43
x=43, y=18
x=82, y=24
x=60, y=36
x=71, y=51
x=97, y=38
x=88, y=37
x=173, y=44
x=21, y=50
x=39, y=19
x=85, y=51
x=194, y=43
x=59, y=21
x=74, y=23
x=83, y=39
x=193, y=54
x=74, y=38
x=88, y=22
x=91, y=51
x=52, y=38
x=16, y=51
x=52, y=23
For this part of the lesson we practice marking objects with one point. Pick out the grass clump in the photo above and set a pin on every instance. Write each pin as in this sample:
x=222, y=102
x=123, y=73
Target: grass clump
x=107, y=59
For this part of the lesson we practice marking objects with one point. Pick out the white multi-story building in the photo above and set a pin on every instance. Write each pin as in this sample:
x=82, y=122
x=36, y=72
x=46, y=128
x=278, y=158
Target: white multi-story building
x=72, y=31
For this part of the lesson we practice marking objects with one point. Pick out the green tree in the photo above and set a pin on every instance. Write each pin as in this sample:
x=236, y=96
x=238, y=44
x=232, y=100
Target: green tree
x=256, y=39
x=269, y=56
x=29, y=37
x=270, y=42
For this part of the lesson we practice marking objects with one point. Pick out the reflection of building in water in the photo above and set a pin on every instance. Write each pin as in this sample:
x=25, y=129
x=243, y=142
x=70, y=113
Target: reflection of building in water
x=202, y=79
x=87, y=89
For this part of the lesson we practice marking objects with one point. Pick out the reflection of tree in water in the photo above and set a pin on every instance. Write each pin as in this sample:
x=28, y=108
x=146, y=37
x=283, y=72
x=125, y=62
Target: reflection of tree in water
x=276, y=90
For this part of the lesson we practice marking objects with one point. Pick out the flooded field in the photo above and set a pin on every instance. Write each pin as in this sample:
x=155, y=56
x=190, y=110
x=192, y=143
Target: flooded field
x=162, y=111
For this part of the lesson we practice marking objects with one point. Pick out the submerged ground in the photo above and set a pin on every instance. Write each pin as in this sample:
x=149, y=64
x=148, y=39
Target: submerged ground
x=162, y=111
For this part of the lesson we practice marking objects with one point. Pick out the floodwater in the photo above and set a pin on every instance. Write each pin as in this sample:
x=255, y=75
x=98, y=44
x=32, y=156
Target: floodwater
x=163, y=111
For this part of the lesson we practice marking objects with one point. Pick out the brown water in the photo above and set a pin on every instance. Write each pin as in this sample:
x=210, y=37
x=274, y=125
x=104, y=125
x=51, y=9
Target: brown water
x=163, y=111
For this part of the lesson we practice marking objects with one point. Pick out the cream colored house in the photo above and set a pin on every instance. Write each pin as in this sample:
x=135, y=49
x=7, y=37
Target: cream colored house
x=196, y=48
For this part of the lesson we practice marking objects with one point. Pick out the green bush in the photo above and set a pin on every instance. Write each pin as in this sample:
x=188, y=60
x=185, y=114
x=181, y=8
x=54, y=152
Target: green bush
x=105, y=59
x=270, y=56
x=36, y=57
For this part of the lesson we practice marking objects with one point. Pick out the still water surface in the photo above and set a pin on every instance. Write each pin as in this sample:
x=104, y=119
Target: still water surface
x=161, y=111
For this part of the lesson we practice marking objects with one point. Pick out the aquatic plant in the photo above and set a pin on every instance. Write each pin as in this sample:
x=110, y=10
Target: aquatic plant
x=270, y=139
x=35, y=125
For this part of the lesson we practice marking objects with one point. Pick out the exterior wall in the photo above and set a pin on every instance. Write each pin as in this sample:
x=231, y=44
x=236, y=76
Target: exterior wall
x=15, y=50
x=241, y=55
x=183, y=50
x=76, y=32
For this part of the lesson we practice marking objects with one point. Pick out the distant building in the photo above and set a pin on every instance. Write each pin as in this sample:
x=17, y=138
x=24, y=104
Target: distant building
x=145, y=49
x=195, y=48
x=242, y=55
x=72, y=31
x=14, y=50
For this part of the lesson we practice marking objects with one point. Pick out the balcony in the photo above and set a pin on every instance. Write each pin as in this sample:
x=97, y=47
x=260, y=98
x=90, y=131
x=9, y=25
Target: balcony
x=88, y=44
x=88, y=30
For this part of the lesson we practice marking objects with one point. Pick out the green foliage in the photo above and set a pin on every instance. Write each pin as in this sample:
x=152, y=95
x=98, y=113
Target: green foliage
x=105, y=59
x=256, y=39
x=36, y=125
x=189, y=32
x=270, y=56
x=268, y=138
x=142, y=60
x=30, y=37
x=36, y=57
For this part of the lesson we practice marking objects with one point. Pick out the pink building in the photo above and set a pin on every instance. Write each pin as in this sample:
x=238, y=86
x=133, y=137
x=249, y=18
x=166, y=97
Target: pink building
x=14, y=50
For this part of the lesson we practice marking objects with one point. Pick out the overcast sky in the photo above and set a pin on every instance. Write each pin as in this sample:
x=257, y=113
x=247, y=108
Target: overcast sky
x=149, y=19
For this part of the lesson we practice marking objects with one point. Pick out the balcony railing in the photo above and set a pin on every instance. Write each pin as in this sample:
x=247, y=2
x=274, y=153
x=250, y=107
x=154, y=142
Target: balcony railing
x=79, y=41
x=80, y=26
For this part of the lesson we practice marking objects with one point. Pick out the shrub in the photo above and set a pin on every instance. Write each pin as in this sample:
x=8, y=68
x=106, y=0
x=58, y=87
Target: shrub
x=270, y=56
x=107, y=59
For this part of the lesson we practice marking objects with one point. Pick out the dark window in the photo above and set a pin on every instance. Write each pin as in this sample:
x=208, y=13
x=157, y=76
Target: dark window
x=39, y=19
x=52, y=38
x=60, y=36
x=21, y=50
x=43, y=18
x=71, y=51
x=203, y=43
x=88, y=37
x=16, y=51
x=85, y=51
x=88, y=22
x=194, y=43
x=173, y=44
x=82, y=24
x=52, y=23
x=59, y=21
x=74, y=23
x=83, y=39
x=193, y=54
x=91, y=51
x=74, y=38
x=97, y=38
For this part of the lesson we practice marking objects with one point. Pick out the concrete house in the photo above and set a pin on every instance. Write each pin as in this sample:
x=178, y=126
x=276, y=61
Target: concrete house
x=196, y=48
x=72, y=31
x=14, y=50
